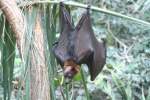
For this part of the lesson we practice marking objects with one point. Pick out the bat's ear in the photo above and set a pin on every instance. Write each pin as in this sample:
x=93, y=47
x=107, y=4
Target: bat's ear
x=65, y=18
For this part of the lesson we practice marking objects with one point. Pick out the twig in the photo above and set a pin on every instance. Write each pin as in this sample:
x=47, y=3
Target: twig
x=71, y=98
x=62, y=92
x=110, y=32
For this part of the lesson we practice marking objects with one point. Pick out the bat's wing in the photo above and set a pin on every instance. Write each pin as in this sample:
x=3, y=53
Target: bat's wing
x=79, y=44
x=87, y=48
x=60, y=48
x=83, y=41
x=98, y=59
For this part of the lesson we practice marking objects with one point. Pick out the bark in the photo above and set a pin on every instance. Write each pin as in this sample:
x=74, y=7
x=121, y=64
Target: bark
x=39, y=73
x=16, y=20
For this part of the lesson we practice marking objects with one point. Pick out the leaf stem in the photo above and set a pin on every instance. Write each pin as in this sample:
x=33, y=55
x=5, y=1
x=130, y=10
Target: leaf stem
x=84, y=84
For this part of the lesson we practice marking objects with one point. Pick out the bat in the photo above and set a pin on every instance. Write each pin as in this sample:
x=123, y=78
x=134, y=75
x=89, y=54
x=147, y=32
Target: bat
x=78, y=45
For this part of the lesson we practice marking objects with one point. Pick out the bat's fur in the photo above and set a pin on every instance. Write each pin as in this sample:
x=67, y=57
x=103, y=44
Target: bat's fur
x=78, y=45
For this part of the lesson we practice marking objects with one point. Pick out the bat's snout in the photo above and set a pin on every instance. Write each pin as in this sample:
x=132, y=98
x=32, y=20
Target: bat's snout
x=69, y=72
x=70, y=69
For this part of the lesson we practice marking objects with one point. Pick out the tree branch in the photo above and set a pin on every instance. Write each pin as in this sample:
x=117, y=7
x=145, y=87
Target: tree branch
x=72, y=3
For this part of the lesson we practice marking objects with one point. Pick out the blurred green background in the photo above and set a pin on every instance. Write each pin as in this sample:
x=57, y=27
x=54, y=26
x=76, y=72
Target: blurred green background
x=126, y=75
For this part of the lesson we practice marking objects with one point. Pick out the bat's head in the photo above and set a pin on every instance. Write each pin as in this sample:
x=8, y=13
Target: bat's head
x=70, y=70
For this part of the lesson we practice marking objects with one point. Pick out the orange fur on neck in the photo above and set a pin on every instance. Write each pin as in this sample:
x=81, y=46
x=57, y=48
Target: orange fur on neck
x=72, y=64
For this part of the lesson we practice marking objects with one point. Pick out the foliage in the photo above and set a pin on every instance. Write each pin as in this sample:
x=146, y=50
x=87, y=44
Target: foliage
x=128, y=61
x=124, y=77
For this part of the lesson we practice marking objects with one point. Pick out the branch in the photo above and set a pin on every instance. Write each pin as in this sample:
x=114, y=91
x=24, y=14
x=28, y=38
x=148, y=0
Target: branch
x=111, y=33
x=72, y=3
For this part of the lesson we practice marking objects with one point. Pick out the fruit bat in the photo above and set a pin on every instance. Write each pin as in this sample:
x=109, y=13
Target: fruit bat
x=78, y=45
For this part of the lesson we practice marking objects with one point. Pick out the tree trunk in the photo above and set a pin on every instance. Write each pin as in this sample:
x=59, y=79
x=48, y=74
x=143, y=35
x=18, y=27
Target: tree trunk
x=39, y=72
x=16, y=20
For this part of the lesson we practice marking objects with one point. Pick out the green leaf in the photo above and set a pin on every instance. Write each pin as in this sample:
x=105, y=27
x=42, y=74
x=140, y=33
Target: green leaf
x=8, y=56
x=77, y=77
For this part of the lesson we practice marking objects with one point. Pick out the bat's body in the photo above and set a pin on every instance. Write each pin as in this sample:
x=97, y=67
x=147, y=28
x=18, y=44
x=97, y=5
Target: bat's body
x=79, y=45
